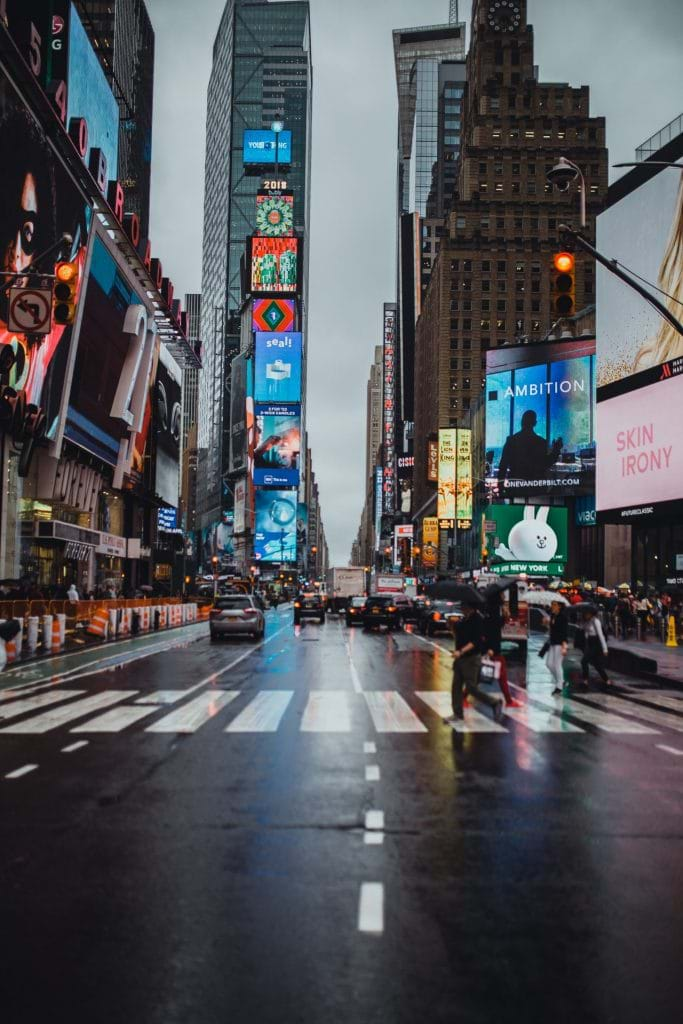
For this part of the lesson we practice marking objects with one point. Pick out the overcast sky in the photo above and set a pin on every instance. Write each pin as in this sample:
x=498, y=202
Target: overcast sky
x=627, y=51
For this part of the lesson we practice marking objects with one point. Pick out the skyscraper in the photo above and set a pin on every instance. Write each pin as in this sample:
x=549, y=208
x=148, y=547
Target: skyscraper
x=261, y=71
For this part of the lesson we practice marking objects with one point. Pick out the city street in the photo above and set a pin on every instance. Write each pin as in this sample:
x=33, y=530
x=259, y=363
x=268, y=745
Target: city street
x=287, y=831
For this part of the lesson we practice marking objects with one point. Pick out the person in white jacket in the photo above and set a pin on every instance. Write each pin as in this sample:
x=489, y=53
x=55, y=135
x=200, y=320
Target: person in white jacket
x=595, y=647
x=72, y=593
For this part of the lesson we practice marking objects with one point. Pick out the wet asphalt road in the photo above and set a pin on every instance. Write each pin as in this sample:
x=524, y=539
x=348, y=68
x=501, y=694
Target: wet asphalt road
x=235, y=876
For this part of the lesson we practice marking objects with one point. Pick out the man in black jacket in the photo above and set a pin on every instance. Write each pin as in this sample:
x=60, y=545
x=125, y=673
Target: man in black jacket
x=469, y=642
x=526, y=455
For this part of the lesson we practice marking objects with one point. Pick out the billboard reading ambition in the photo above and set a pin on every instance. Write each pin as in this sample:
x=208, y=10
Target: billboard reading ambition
x=259, y=147
x=275, y=526
x=640, y=357
x=272, y=315
x=540, y=419
x=39, y=202
x=274, y=215
x=278, y=445
x=445, y=500
x=389, y=412
x=463, y=479
x=274, y=265
x=277, y=371
x=526, y=538
x=167, y=424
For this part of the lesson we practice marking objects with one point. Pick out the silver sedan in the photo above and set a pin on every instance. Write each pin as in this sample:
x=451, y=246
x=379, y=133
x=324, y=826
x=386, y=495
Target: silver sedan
x=236, y=614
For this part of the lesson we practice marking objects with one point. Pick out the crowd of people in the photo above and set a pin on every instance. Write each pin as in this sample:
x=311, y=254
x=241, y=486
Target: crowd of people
x=628, y=615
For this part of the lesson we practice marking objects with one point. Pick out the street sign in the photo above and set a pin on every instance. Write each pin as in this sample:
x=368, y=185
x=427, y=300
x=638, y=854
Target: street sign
x=30, y=310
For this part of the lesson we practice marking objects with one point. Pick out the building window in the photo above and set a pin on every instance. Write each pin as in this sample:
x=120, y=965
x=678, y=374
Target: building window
x=460, y=223
x=518, y=223
x=485, y=325
x=451, y=140
x=495, y=134
x=500, y=325
x=467, y=343
x=485, y=306
x=483, y=186
x=535, y=286
x=467, y=266
x=531, y=188
x=519, y=286
x=467, y=364
x=535, y=306
x=498, y=168
x=494, y=104
x=501, y=306
x=548, y=188
x=486, y=266
x=531, y=168
x=486, y=286
x=519, y=305
x=485, y=223
x=515, y=188
x=502, y=285
x=467, y=325
x=535, y=325
x=454, y=306
x=519, y=268
x=515, y=168
x=466, y=383
x=499, y=186
x=500, y=223
x=482, y=168
x=529, y=133
x=501, y=266
x=455, y=324
x=466, y=404
x=467, y=305
x=467, y=284
x=455, y=264
x=513, y=133
x=454, y=344
x=452, y=125
x=454, y=364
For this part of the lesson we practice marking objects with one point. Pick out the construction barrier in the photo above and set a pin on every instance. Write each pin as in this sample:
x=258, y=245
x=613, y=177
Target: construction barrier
x=47, y=632
x=32, y=624
x=113, y=616
x=56, y=643
x=99, y=623
x=163, y=616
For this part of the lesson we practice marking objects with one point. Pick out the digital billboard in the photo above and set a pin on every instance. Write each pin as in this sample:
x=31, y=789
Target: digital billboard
x=274, y=215
x=273, y=315
x=39, y=202
x=167, y=426
x=275, y=526
x=239, y=389
x=274, y=265
x=302, y=526
x=640, y=356
x=403, y=542
x=167, y=519
x=463, y=477
x=540, y=419
x=258, y=147
x=526, y=538
x=389, y=410
x=241, y=495
x=218, y=540
x=278, y=445
x=430, y=542
x=277, y=367
x=89, y=96
x=445, y=501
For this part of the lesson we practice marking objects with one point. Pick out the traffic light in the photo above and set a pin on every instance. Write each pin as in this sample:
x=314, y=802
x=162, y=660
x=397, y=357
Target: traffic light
x=563, y=285
x=64, y=293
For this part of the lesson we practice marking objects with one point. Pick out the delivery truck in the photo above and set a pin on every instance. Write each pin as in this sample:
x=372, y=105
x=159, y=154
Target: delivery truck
x=343, y=584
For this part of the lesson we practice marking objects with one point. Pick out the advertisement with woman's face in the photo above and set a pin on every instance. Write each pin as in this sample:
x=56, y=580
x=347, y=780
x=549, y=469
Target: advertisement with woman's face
x=39, y=202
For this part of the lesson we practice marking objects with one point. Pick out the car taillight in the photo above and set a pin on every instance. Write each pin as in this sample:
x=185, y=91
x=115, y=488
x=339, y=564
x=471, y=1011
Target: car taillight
x=249, y=613
x=391, y=608
x=436, y=616
x=352, y=611
x=297, y=604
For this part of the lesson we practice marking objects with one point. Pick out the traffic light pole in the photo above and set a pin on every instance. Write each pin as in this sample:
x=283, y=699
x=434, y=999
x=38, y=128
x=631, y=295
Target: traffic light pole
x=613, y=268
x=66, y=239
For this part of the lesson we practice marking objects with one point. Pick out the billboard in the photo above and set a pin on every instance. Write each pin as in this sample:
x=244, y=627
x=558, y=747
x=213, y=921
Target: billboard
x=278, y=445
x=167, y=427
x=540, y=419
x=241, y=493
x=274, y=265
x=640, y=364
x=389, y=412
x=277, y=367
x=273, y=315
x=379, y=496
x=463, y=478
x=275, y=526
x=258, y=147
x=403, y=542
x=239, y=389
x=433, y=461
x=219, y=539
x=274, y=215
x=445, y=501
x=90, y=96
x=430, y=542
x=301, y=526
x=39, y=201
x=526, y=538
x=167, y=519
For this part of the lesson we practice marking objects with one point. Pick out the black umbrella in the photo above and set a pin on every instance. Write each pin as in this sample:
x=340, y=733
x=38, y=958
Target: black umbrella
x=499, y=585
x=449, y=590
x=9, y=629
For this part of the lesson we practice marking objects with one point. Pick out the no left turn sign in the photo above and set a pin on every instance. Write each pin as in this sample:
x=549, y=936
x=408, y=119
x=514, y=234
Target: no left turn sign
x=30, y=310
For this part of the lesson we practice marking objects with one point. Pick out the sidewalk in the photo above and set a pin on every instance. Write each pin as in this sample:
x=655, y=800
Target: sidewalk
x=665, y=663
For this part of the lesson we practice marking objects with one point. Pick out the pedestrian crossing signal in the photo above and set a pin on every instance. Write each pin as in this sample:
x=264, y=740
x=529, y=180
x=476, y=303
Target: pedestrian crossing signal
x=65, y=293
x=563, y=285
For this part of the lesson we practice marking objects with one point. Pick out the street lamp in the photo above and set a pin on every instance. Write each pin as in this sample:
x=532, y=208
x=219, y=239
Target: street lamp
x=562, y=175
x=277, y=127
x=215, y=576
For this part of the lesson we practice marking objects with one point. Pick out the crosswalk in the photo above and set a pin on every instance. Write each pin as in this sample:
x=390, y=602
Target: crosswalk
x=326, y=712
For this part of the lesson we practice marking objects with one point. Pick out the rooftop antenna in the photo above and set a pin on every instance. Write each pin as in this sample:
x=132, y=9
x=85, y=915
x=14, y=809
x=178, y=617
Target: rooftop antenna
x=453, y=16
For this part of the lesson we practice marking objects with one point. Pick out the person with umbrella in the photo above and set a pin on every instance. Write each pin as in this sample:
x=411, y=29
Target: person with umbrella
x=595, y=646
x=469, y=644
x=557, y=644
x=493, y=640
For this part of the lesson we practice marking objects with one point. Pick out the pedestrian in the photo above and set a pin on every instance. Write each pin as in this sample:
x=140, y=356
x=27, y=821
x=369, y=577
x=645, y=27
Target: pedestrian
x=494, y=619
x=557, y=644
x=643, y=611
x=595, y=647
x=72, y=593
x=469, y=643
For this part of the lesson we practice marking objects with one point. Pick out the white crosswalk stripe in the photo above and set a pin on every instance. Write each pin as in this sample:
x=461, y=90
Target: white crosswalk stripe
x=115, y=720
x=474, y=721
x=198, y=712
x=604, y=720
x=264, y=713
x=327, y=711
x=390, y=713
x=540, y=719
x=42, y=700
x=659, y=699
x=163, y=697
x=69, y=712
x=645, y=714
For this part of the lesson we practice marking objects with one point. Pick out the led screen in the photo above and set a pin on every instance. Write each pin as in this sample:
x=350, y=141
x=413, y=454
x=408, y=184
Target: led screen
x=274, y=265
x=526, y=538
x=463, y=476
x=239, y=389
x=430, y=542
x=273, y=315
x=38, y=203
x=540, y=419
x=277, y=373
x=218, y=540
x=167, y=426
x=167, y=518
x=274, y=215
x=259, y=147
x=446, y=486
x=90, y=96
x=278, y=445
x=275, y=526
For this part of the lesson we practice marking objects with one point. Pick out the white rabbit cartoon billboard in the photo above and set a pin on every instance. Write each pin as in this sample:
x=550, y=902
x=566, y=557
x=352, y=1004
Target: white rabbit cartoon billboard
x=527, y=538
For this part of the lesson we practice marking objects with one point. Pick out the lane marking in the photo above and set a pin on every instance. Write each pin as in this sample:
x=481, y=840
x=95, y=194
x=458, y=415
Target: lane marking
x=390, y=713
x=372, y=773
x=264, y=713
x=373, y=838
x=115, y=720
x=22, y=707
x=371, y=908
x=669, y=750
x=474, y=721
x=369, y=747
x=74, y=746
x=18, y=772
x=327, y=711
x=194, y=715
x=247, y=654
x=355, y=678
x=68, y=713
x=374, y=821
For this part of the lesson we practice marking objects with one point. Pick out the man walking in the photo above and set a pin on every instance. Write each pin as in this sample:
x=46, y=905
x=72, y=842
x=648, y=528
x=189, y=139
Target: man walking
x=469, y=640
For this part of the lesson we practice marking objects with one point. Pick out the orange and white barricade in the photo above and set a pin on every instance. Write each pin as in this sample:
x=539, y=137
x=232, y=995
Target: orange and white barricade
x=111, y=633
x=47, y=632
x=99, y=623
x=125, y=621
x=32, y=624
x=163, y=616
x=61, y=619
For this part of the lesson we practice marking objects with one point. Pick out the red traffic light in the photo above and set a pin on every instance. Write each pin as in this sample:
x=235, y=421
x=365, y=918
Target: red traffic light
x=563, y=262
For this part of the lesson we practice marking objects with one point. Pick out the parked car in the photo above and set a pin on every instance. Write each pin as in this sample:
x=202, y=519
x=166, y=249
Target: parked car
x=309, y=606
x=354, y=611
x=233, y=614
x=382, y=610
x=439, y=617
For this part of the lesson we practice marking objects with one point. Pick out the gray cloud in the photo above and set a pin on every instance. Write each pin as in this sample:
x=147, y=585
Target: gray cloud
x=627, y=52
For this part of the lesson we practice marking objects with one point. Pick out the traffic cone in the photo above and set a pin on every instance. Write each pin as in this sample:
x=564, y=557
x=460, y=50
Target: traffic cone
x=56, y=634
x=98, y=624
x=671, y=639
x=47, y=632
